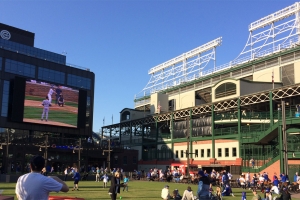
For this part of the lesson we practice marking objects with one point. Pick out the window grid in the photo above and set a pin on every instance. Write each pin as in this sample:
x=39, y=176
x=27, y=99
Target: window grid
x=202, y=153
x=51, y=75
x=226, y=152
x=5, y=97
x=219, y=152
x=79, y=82
x=19, y=68
x=234, y=154
x=208, y=153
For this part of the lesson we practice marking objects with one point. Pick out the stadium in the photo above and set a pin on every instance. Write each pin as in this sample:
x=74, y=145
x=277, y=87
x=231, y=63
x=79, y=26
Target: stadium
x=241, y=116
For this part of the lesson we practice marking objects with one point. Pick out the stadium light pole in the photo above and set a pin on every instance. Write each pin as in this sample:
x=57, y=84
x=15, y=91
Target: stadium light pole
x=109, y=152
x=284, y=137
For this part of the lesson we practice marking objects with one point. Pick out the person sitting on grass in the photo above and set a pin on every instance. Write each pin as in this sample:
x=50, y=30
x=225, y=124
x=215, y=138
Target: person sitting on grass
x=188, y=194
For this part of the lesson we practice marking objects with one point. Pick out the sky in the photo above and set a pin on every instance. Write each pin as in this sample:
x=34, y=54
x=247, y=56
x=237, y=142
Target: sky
x=120, y=40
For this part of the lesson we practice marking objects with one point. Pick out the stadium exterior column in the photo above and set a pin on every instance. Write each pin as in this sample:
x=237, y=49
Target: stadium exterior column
x=156, y=136
x=271, y=108
x=213, y=130
x=239, y=127
x=171, y=131
x=280, y=148
x=191, y=133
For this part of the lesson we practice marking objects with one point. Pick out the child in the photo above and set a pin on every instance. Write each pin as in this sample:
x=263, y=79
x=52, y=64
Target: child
x=243, y=195
x=218, y=193
x=125, y=183
x=210, y=190
x=105, y=180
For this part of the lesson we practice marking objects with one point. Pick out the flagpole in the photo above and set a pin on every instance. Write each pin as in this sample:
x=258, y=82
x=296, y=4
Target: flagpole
x=273, y=78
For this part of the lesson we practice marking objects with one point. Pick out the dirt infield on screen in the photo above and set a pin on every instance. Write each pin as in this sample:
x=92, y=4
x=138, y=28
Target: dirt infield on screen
x=58, y=115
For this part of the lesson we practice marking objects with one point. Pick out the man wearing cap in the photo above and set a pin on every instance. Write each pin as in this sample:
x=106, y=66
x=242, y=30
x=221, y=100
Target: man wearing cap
x=165, y=195
x=203, y=186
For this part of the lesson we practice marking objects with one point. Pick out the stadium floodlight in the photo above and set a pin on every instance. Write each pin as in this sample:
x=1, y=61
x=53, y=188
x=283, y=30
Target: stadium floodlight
x=203, y=48
x=279, y=15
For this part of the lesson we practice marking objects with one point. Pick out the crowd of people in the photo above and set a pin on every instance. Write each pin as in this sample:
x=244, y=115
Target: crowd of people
x=213, y=185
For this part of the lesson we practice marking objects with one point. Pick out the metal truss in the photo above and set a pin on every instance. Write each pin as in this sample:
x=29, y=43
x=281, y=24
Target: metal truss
x=279, y=31
x=273, y=37
x=286, y=92
x=136, y=126
x=184, y=68
x=255, y=98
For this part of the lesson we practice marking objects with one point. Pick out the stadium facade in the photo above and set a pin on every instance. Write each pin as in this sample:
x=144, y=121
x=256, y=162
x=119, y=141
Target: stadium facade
x=27, y=76
x=243, y=116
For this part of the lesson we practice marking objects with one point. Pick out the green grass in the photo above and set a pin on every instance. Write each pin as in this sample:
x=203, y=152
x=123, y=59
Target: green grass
x=40, y=99
x=90, y=190
x=54, y=115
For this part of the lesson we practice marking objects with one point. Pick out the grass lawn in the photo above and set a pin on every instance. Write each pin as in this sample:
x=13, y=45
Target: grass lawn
x=54, y=115
x=90, y=190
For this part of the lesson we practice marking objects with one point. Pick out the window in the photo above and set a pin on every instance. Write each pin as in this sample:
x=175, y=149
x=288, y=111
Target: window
x=32, y=51
x=134, y=160
x=0, y=63
x=19, y=68
x=176, y=155
x=181, y=154
x=51, y=75
x=219, y=152
x=225, y=89
x=5, y=97
x=234, y=154
x=196, y=153
x=202, y=153
x=208, y=153
x=78, y=81
x=87, y=114
x=226, y=152
x=124, y=160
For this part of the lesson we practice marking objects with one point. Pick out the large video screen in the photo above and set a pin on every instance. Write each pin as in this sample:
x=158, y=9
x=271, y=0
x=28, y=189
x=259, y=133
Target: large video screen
x=50, y=104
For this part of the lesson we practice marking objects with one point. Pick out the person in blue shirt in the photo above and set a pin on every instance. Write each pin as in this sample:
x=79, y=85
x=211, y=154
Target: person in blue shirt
x=126, y=179
x=296, y=177
x=76, y=180
x=225, y=179
x=227, y=191
x=283, y=179
x=276, y=182
x=203, y=186
x=266, y=177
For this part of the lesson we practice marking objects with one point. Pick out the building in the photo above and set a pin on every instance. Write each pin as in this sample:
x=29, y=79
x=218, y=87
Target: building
x=29, y=74
x=242, y=116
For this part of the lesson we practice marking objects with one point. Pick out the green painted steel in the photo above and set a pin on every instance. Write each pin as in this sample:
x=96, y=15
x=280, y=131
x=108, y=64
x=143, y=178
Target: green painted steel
x=213, y=130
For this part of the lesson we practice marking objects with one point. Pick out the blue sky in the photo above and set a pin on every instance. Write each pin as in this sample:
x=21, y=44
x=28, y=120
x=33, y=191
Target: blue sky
x=121, y=40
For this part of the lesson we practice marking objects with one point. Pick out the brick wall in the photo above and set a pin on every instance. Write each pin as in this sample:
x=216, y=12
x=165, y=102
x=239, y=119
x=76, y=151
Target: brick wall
x=39, y=90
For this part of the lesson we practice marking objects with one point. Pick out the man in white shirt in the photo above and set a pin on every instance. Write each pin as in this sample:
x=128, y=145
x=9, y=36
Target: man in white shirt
x=34, y=185
x=165, y=195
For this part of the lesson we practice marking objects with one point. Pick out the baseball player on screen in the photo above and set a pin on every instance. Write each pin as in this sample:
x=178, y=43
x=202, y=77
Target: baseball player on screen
x=46, y=105
x=50, y=94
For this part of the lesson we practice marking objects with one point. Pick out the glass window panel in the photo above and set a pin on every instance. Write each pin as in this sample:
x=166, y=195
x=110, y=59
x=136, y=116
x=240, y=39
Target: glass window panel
x=51, y=75
x=5, y=95
x=78, y=81
x=19, y=68
x=0, y=63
